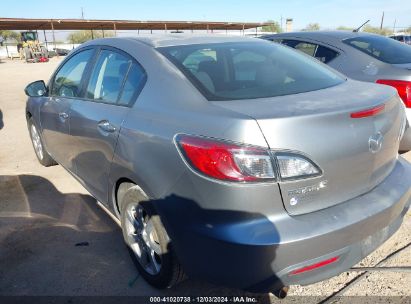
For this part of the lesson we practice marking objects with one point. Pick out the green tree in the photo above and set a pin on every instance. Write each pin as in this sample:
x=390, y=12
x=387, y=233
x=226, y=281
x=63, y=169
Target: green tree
x=273, y=27
x=376, y=30
x=10, y=35
x=312, y=27
x=344, y=28
x=85, y=35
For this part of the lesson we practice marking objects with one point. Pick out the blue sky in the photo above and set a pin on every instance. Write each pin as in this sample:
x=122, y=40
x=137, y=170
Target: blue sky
x=329, y=14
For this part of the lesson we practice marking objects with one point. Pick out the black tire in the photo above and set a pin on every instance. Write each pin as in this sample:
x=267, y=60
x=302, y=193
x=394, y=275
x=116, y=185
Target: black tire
x=43, y=156
x=171, y=272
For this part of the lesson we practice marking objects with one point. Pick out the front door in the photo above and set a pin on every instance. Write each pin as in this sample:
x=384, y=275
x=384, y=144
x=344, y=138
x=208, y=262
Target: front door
x=65, y=88
x=96, y=120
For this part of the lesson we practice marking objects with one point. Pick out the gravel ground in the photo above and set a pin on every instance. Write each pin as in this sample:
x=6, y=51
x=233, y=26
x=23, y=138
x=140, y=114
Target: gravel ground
x=44, y=212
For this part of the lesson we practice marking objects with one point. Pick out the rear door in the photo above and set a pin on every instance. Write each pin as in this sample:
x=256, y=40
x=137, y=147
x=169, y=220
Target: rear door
x=96, y=120
x=65, y=88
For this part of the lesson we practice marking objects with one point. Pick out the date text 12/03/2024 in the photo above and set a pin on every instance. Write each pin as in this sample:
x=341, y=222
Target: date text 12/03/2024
x=206, y=299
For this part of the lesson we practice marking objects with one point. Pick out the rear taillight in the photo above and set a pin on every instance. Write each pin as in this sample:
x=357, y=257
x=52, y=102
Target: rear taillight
x=295, y=166
x=240, y=163
x=226, y=161
x=403, y=87
x=368, y=112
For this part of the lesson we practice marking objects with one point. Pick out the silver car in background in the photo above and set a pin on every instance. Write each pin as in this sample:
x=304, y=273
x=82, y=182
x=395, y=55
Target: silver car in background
x=360, y=56
x=404, y=38
x=234, y=160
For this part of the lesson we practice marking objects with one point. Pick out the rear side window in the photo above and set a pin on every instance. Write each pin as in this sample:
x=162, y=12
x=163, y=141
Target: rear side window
x=67, y=82
x=133, y=84
x=320, y=52
x=382, y=48
x=250, y=70
x=398, y=38
x=307, y=48
x=108, y=77
x=325, y=54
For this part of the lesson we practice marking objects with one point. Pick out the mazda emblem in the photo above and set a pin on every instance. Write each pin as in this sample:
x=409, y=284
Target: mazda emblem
x=375, y=142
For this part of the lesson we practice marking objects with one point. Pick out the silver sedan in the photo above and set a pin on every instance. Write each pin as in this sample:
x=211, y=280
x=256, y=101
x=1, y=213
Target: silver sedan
x=234, y=160
x=360, y=56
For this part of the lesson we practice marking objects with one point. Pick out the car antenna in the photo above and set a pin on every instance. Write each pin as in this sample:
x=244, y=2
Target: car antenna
x=357, y=29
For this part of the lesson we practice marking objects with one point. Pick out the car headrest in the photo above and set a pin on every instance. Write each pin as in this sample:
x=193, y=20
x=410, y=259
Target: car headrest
x=206, y=81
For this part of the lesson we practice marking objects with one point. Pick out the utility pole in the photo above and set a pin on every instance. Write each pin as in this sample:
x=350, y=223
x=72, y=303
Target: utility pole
x=82, y=13
x=281, y=23
x=395, y=21
x=382, y=21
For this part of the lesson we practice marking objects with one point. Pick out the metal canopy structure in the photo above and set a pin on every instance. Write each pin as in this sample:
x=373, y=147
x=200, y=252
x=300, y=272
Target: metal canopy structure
x=84, y=24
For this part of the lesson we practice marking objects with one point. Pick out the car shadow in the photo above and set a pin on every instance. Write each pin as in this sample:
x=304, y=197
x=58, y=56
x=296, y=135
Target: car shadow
x=204, y=240
x=1, y=120
x=54, y=243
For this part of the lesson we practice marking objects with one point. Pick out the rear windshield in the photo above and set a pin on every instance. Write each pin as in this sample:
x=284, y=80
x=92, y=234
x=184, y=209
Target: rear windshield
x=229, y=71
x=383, y=48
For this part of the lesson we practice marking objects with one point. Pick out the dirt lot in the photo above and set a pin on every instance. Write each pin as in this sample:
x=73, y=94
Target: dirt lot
x=55, y=240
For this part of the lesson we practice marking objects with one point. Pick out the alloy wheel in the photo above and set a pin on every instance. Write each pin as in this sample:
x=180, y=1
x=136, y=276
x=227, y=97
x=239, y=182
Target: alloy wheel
x=35, y=137
x=142, y=238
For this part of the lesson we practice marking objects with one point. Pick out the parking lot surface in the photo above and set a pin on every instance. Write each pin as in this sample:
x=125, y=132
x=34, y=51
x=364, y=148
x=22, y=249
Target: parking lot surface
x=55, y=240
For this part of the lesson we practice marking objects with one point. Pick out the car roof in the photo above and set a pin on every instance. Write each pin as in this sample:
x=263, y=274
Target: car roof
x=163, y=40
x=337, y=35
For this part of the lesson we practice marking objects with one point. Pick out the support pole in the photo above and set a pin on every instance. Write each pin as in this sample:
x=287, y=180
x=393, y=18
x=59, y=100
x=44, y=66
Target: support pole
x=102, y=30
x=207, y=28
x=45, y=39
x=165, y=28
x=243, y=29
x=54, y=38
x=115, y=30
x=92, y=34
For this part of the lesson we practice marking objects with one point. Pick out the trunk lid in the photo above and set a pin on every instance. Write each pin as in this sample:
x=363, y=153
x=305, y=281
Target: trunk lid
x=318, y=125
x=403, y=65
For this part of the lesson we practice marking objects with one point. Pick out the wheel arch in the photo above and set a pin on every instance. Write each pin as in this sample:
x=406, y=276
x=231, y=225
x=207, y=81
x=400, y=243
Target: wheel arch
x=28, y=115
x=120, y=189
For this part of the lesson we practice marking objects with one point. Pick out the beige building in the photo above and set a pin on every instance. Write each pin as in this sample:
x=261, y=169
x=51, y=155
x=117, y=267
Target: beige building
x=289, y=25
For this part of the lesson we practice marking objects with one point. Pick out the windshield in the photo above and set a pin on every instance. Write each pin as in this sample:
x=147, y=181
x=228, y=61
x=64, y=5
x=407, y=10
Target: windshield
x=227, y=71
x=383, y=48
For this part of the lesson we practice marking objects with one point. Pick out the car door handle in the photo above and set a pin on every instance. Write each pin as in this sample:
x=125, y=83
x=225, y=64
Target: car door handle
x=63, y=116
x=106, y=126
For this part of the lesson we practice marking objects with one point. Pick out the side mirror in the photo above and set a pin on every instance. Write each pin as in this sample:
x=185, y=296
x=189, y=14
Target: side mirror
x=36, y=89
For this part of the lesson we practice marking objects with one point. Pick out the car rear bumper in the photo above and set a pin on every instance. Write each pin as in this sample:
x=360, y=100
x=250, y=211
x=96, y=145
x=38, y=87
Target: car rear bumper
x=221, y=249
x=405, y=144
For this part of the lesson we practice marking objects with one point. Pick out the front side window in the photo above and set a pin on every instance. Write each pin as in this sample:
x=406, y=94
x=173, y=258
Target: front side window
x=108, y=76
x=382, y=48
x=250, y=70
x=67, y=82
